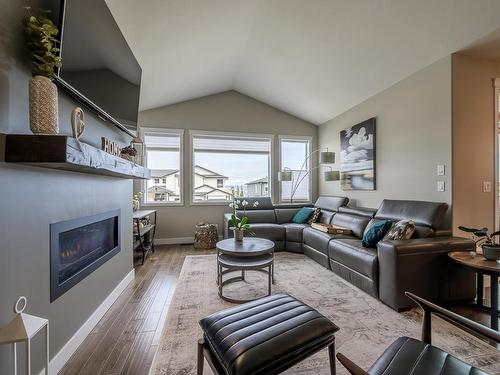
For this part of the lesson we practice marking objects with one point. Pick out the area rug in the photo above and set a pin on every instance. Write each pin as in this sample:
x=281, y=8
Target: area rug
x=367, y=326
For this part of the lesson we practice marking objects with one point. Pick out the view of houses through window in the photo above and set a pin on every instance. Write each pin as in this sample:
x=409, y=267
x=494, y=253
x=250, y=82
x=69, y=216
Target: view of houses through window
x=224, y=167
x=163, y=156
x=230, y=166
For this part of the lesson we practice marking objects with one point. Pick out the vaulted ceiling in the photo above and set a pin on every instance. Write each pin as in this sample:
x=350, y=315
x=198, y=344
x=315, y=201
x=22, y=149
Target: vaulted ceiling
x=311, y=58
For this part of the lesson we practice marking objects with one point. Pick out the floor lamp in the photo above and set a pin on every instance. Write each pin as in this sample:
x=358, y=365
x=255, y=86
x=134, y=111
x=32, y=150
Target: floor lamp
x=325, y=158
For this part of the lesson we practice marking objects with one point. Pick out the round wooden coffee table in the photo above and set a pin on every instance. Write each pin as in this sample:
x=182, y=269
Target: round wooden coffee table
x=481, y=266
x=251, y=254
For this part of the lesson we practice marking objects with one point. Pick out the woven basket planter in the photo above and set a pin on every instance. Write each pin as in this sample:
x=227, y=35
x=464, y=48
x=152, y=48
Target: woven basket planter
x=44, y=117
x=205, y=236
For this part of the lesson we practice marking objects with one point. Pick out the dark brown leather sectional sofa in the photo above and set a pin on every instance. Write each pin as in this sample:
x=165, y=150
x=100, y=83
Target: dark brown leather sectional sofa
x=418, y=265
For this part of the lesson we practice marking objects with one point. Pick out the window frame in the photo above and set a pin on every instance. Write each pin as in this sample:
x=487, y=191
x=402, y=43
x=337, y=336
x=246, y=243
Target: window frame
x=194, y=133
x=309, y=140
x=164, y=131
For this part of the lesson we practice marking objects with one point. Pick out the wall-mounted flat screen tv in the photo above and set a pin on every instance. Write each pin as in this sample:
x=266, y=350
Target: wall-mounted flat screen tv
x=98, y=66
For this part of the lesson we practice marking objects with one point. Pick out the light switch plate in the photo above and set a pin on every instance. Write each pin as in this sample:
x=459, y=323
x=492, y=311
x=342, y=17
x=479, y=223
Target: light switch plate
x=440, y=186
x=440, y=170
x=486, y=186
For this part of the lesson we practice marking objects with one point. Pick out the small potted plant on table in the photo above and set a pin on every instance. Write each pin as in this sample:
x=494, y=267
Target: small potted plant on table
x=491, y=250
x=240, y=226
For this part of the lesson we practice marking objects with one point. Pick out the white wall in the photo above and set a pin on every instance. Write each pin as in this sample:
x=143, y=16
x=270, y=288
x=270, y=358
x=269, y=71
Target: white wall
x=413, y=135
x=231, y=112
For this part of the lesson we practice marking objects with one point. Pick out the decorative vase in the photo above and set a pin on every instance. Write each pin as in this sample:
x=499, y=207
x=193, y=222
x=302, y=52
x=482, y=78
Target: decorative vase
x=238, y=234
x=491, y=252
x=44, y=116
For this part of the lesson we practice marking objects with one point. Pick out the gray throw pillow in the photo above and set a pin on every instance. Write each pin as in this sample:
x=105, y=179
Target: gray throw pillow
x=402, y=230
x=315, y=216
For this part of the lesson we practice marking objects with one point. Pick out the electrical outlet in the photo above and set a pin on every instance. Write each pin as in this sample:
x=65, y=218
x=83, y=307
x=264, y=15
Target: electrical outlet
x=486, y=186
x=440, y=186
x=440, y=170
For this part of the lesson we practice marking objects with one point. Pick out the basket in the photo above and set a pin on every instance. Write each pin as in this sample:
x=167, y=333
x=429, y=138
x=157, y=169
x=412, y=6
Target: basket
x=206, y=236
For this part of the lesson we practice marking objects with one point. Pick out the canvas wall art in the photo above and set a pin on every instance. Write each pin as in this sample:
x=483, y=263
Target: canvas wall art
x=357, y=156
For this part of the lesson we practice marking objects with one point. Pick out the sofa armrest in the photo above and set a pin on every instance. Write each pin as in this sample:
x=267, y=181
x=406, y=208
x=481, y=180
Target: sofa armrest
x=227, y=224
x=421, y=266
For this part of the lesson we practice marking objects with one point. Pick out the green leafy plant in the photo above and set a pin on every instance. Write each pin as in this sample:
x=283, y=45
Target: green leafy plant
x=236, y=222
x=481, y=236
x=42, y=43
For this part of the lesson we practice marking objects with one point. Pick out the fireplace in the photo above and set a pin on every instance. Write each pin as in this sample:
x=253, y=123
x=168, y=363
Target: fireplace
x=79, y=246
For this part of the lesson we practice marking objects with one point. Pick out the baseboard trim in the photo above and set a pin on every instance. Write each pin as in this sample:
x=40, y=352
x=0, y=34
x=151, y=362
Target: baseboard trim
x=176, y=240
x=60, y=359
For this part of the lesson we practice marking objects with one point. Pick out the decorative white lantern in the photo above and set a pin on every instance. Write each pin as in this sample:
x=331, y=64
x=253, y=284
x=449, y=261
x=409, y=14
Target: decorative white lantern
x=22, y=329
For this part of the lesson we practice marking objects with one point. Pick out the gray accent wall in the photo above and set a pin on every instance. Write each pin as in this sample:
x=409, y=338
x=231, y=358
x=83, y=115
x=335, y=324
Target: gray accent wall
x=229, y=111
x=32, y=198
x=413, y=136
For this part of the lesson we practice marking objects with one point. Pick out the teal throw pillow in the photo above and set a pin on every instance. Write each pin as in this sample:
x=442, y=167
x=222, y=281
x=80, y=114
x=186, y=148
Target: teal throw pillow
x=375, y=233
x=303, y=215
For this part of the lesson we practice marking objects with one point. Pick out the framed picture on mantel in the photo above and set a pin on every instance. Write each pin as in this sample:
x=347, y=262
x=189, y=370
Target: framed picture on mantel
x=357, y=156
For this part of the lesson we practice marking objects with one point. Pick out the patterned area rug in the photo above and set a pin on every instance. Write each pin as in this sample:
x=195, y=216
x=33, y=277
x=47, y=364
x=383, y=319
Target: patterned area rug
x=367, y=326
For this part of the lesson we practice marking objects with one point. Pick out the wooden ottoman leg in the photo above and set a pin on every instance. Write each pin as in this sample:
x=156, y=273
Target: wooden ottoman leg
x=201, y=358
x=331, y=355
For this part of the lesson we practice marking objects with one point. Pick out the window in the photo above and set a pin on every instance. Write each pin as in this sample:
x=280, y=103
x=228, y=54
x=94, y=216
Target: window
x=229, y=165
x=294, y=153
x=164, y=158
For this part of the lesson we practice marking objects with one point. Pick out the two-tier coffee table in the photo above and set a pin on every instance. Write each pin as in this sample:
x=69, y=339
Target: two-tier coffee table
x=251, y=254
x=481, y=266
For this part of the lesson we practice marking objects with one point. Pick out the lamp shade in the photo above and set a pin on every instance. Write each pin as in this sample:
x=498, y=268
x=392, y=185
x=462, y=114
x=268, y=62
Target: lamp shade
x=332, y=175
x=285, y=176
x=327, y=157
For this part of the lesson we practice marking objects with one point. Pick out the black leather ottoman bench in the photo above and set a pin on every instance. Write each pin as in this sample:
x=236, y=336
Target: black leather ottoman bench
x=265, y=336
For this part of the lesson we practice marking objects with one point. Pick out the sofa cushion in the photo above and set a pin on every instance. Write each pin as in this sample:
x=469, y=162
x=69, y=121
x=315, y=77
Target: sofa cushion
x=351, y=253
x=303, y=215
x=423, y=213
x=360, y=211
x=325, y=216
x=355, y=223
x=331, y=203
x=315, y=216
x=258, y=216
x=316, y=239
x=285, y=215
x=294, y=231
x=269, y=231
x=375, y=233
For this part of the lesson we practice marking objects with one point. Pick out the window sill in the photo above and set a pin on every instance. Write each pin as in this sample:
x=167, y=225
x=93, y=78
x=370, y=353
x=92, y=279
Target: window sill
x=151, y=204
x=211, y=203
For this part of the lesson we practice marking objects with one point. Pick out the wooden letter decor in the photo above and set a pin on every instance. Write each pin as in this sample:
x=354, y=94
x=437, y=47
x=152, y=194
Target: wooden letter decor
x=110, y=147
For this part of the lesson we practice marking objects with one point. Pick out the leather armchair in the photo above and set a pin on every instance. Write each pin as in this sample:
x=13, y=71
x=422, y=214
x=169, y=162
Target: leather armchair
x=421, y=266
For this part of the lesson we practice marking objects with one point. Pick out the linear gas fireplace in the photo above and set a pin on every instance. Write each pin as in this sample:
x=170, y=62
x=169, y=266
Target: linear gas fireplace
x=79, y=246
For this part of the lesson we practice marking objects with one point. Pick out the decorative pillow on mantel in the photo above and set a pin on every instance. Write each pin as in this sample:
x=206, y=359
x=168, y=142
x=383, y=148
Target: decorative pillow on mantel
x=402, y=230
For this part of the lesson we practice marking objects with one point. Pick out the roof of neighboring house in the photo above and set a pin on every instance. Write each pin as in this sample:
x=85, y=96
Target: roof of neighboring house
x=210, y=173
x=259, y=181
x=202, y=193
x=162, y=172
x=160, y=189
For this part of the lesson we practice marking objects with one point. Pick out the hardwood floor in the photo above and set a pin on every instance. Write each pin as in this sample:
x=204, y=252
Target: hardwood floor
x=126, y=338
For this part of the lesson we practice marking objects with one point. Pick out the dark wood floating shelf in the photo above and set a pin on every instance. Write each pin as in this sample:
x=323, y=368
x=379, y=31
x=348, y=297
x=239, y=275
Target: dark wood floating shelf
x=67, y=153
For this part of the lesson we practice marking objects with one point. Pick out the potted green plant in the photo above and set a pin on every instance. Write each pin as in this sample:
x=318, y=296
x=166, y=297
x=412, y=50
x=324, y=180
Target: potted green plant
x=42, y=45
x=491, y=250
x=240, y=226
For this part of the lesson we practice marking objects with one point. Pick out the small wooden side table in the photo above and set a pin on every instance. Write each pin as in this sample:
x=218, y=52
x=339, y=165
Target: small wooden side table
x=144, y=236
x=481, y=266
